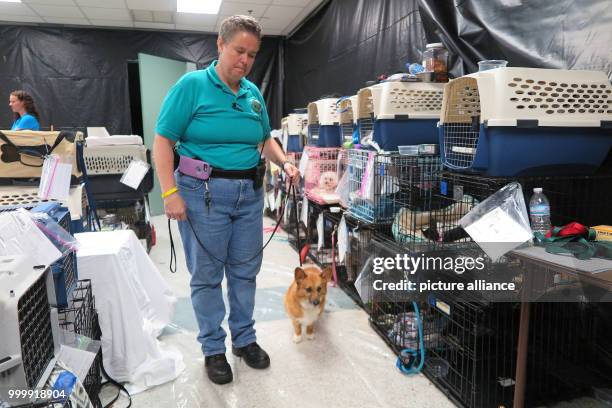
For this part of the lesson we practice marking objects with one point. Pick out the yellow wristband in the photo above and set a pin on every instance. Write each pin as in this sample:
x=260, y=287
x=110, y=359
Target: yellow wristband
x=169, y=192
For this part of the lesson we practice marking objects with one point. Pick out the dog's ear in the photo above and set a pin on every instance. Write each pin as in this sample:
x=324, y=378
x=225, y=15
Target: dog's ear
x=299, y=274
x=327, y=273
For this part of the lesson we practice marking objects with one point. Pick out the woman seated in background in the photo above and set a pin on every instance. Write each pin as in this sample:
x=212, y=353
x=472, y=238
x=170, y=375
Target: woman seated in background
x=26, y=115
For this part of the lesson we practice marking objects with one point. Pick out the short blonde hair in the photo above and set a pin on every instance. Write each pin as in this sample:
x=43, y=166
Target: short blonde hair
x=234, y=24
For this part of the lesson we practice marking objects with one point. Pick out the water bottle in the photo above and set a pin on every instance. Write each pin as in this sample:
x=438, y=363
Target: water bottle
x=539, y=208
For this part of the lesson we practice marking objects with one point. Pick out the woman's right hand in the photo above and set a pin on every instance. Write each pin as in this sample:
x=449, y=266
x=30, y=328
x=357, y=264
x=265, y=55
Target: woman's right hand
x=175, y=207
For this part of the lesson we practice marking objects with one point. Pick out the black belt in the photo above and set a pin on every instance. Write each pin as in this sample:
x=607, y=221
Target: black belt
x=234, y=174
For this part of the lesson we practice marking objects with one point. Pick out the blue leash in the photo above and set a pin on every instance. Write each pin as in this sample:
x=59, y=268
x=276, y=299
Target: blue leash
x=412, y=353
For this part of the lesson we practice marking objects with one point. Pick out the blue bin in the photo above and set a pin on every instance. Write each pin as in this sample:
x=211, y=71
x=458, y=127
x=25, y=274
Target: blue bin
x=329, y=136
x=534, y=151
x=391, y=133
x=294, y=143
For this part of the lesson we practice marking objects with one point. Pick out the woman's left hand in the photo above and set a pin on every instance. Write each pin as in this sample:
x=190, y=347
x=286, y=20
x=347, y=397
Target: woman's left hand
x=293, y=173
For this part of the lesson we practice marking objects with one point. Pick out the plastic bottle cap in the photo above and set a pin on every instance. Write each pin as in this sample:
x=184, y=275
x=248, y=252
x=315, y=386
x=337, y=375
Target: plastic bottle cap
x=537, y=190
x=434, y=45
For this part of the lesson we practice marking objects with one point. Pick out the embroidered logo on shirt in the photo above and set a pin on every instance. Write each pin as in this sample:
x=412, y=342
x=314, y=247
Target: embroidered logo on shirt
x=256, y=106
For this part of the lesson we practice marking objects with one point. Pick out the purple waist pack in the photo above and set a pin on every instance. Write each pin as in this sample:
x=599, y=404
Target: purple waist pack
x=195, y=168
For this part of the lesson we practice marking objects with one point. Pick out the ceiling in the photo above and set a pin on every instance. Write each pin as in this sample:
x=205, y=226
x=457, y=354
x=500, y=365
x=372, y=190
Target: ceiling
x=277, y=17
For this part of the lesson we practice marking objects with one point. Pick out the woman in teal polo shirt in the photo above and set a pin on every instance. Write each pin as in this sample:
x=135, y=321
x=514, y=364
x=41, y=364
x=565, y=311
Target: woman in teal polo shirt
x=217, y=116
x=26, y=115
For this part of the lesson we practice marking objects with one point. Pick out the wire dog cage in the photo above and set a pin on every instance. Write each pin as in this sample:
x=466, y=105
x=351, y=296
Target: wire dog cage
x=430, y=217
x=321, y=175
x=80, y=317
x=376, y=181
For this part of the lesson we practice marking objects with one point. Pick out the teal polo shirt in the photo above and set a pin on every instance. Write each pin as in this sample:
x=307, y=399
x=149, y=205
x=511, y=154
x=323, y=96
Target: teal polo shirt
x=211, y=123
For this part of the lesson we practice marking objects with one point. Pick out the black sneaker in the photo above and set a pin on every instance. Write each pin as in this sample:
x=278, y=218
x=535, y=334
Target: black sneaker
x=253, y=355
x=218, y=369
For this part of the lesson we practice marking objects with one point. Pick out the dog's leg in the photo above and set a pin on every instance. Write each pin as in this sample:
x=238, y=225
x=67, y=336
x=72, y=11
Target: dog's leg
x=297, y=328
x=310, y=332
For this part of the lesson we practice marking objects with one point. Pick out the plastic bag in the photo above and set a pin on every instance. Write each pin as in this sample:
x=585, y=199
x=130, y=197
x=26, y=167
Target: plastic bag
x=55, y=178
x=500, y=223
x=61, y=238
x=367, y=181
x=342, y=189
x=363, y=283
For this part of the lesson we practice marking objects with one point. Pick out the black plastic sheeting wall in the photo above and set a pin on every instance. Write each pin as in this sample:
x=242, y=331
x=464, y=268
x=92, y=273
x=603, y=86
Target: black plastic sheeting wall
x=565, y=34
x=352, y=41
x=348, y=43
x=79, y=77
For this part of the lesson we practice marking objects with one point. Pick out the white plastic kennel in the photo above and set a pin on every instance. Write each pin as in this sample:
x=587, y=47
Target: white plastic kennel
x=112, y=159
x=401, y=100
x=552, y=97
x=27, y=348
x=527, y=121
x=323, y=112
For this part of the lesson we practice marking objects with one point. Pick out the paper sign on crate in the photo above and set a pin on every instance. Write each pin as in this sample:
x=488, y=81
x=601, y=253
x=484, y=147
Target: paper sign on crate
x=135, y=173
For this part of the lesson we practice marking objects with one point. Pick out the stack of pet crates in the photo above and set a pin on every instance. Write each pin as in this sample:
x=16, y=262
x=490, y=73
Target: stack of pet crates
x=107, y=159
x=540, y=128
x=399, y=120
x=320, y=204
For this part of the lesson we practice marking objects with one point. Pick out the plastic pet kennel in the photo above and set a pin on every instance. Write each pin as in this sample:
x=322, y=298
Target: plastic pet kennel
x=402, y=113
x=27, y=197
x=527, y=121
x=23, y=153
x=323, y=123
x=27, y=348
x=294, y=126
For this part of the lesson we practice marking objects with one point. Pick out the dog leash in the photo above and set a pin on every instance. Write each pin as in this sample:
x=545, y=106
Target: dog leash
x=297, y=223
x=333, y=254
x=173, y=259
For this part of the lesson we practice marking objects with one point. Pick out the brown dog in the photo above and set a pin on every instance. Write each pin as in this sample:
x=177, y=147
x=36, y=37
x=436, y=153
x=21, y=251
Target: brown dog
x=305, y=299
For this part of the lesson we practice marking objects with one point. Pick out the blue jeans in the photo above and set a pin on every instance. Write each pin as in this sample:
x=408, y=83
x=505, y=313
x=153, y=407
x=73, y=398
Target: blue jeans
x=231, y=230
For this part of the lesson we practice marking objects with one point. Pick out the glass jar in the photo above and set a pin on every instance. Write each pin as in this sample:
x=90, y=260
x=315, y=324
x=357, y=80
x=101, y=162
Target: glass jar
x=435, y=60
